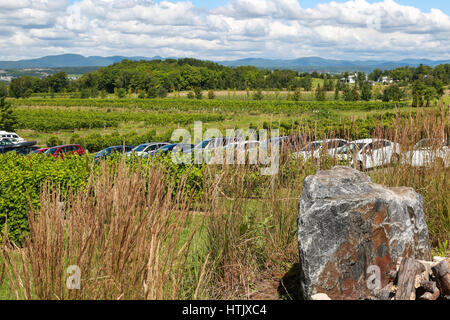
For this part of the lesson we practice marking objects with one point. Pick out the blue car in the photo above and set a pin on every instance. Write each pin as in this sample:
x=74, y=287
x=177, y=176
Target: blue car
x=172, y=148
x=108, y=151
x=202, y=145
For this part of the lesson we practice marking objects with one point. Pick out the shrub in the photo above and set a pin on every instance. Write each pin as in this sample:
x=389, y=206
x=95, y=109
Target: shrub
x=54, y=141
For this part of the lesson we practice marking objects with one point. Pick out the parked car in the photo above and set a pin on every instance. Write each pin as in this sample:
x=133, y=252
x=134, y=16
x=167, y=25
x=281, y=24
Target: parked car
x=27, y=150
x=210, y=146
x=7, y=145
x=346, y=152
x=200, y=146
x=40, y=150
x=370, y=153
x=60, y=151
x=292, y=143
x=105, y=153
x=176, y=147
x=144, y=149
x=428, y=151
x=313, y=149
x=11, y=136
x=243, y=145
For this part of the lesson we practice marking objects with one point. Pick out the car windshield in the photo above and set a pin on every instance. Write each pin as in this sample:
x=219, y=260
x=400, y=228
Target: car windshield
x=103, y=152
x=167, y=147
x=332, y=144
x=140, y=147
x=51, y=150
x=202, y=144
x=312, y=146
x=427, y=143
x=351, y=147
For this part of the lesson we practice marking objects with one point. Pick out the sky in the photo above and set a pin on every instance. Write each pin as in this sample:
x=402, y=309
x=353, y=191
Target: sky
x=227, y=29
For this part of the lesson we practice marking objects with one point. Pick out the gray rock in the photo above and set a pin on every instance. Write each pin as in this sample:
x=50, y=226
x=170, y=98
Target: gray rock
x=346, y=223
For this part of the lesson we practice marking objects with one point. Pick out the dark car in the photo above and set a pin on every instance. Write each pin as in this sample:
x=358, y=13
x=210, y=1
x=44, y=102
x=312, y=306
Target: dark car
x=27, y=150
x=8, y=146
x=60, y=151
x=200, y=146
x=39, y=151
x=292, y=142
x=105, y=153
x=172, y=148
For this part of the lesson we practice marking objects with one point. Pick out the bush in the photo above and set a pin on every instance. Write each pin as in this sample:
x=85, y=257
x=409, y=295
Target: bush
x=258, y=95
x=54, y=141
x=190, y=95
x=121, y=93
x=198, y=93
x=21, y=182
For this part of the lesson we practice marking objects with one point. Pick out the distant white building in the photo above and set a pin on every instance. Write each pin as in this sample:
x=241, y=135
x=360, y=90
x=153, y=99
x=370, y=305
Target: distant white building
x=386, y=80
x=351, y=79
x=6, y=78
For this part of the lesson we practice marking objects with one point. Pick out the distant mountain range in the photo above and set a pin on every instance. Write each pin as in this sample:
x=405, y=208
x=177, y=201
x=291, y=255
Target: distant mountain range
x=67, y=60
x=300, y=64
x=327, y=65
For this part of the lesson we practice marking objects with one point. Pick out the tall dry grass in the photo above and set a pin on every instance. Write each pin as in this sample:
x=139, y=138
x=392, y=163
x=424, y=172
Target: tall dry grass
x=123, y=231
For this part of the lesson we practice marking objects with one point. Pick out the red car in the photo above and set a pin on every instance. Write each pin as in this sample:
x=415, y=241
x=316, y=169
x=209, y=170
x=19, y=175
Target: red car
x=60, y=151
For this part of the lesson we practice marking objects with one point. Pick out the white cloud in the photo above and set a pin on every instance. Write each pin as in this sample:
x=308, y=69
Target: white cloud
x=355, y=29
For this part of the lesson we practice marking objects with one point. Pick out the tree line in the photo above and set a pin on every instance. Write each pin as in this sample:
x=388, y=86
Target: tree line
x=151, y=79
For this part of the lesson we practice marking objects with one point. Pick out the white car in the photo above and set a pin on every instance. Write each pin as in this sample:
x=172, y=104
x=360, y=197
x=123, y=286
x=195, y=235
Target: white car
x=370, y=153
x=11, y=136
x=144, y=149
x=313, y=149
x=236, y=150
x=428, y=151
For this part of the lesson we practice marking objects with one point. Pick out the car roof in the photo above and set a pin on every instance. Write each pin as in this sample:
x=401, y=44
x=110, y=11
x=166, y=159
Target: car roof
x=66, y=145
x=363, y=141
x=117, y=147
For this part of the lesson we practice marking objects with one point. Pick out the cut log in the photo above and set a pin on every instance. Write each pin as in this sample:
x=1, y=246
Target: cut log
x=409, y=268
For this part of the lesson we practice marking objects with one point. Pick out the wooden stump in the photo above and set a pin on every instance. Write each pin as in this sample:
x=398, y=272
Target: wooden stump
x=407, y=272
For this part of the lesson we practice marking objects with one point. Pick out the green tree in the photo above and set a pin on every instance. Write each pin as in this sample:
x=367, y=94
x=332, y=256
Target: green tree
x=336, y=94
x=22, y=87
x=258, y=95
x=53, y=142
x=3, y=90
x=392, y=92
x=8, y=120
x=121, y=93
x=211, y=95
x=320, y=93
x=355, y=93
x=347, y=93
x=297, y=96
x=430, y=94
x=152, y=93
x=190, y=95
x=198, y=93
x=366, y=92
x=162, y=92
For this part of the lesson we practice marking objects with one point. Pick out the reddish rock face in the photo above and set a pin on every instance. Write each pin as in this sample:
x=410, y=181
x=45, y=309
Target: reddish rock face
x=346, y=224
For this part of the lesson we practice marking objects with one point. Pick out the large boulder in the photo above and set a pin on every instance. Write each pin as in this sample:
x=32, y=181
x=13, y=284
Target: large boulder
x=347, y=223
